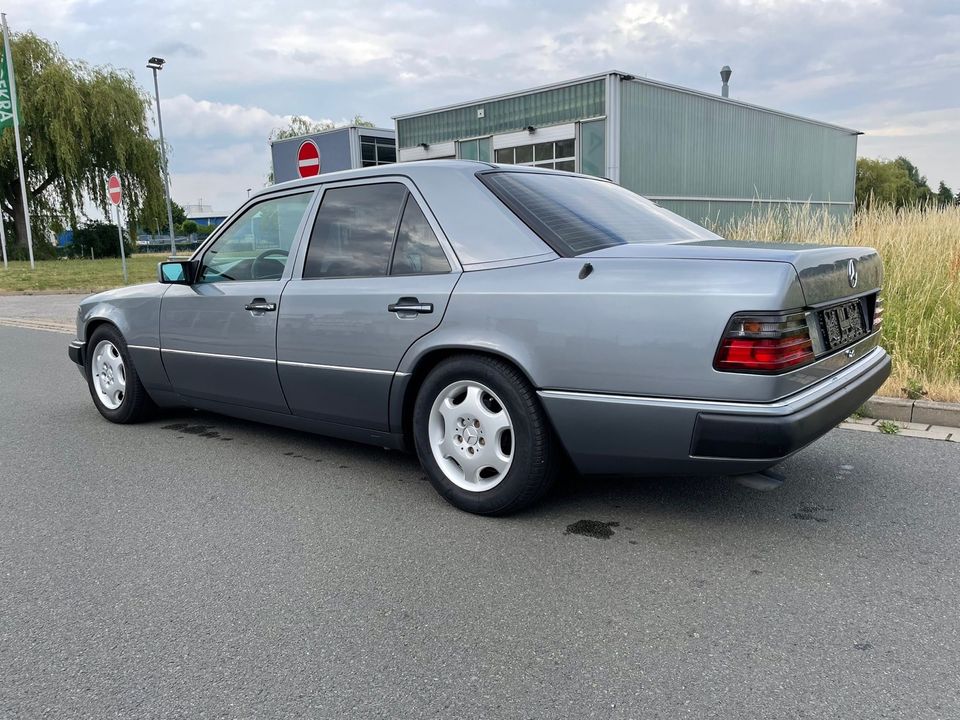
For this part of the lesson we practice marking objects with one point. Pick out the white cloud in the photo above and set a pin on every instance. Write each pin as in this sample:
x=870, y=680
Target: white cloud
x=944, y=122
x=237, y=70
x=189, y=118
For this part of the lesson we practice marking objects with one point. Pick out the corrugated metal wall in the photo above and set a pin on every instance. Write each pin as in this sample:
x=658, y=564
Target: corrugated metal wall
x=678, y=144
x=715, y=215
x=548, y=107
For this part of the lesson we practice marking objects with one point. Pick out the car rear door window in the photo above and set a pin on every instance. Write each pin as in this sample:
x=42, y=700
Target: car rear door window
x=418, y=251
x=354, y=231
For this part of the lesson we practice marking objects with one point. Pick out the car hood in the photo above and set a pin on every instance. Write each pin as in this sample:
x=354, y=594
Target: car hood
x=153, y=289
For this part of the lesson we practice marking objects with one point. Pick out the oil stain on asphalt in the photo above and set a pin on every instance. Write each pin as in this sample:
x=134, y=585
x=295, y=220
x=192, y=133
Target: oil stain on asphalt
x=205, y=431
x=592, y=528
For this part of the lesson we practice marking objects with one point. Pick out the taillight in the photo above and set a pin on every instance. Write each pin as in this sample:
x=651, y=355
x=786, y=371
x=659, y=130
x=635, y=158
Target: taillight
x=878, y=313
x=763, y=343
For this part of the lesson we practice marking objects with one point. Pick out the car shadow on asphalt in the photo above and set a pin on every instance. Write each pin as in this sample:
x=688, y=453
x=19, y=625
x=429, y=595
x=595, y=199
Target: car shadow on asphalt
x=808, y=495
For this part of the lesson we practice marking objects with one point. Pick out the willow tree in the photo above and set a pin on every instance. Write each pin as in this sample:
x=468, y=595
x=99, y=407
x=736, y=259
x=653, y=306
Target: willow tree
x=78, y=124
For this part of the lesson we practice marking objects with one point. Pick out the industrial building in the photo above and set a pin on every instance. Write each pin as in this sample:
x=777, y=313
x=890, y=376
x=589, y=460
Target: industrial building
x=702, y=156
x=343, y=148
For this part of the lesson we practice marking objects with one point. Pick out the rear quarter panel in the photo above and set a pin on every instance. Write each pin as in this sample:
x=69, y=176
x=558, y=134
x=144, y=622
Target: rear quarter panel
x=645, y=326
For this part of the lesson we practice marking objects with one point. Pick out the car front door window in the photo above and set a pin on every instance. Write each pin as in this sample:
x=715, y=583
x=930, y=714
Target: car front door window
x=256, y=246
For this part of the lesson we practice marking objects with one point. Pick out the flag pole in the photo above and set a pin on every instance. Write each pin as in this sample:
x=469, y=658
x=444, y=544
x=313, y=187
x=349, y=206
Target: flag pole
x=16, y=134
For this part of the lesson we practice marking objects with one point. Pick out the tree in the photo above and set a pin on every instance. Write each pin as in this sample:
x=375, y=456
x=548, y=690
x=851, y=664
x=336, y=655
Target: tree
x=884, y=182
x=78, y=124
x=189, y=227
x=892, y=182
x=300, y=125
x=945, y=196
x=922, y=192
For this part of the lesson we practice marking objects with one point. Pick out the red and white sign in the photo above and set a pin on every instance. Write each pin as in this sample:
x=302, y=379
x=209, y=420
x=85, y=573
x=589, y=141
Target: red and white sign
x=113, y=189
x=308, y=159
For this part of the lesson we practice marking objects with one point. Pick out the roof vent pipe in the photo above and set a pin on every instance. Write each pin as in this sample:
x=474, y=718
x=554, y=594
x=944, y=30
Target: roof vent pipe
x=725, y=73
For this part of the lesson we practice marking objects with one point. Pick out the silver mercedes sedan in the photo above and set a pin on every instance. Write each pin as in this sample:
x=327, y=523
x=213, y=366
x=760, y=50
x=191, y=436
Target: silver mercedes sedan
x=499, y=321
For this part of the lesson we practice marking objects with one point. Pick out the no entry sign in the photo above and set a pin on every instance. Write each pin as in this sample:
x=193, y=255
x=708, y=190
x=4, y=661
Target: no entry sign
x=113, y=189
x=308, y=159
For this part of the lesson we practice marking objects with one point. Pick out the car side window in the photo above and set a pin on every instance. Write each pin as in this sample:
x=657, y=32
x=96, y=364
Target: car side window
x=257, y=245
x=354, y=231
x=418, y=251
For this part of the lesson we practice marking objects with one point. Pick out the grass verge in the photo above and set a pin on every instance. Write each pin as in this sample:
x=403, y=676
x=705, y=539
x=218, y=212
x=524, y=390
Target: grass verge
x=79, y=275
x=921, y=289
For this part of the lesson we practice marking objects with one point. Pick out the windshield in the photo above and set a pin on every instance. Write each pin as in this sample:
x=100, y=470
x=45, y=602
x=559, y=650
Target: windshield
x=575, y=214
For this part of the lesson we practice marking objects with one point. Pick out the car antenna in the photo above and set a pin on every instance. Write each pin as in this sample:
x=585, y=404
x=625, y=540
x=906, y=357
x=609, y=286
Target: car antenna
x=586, y=270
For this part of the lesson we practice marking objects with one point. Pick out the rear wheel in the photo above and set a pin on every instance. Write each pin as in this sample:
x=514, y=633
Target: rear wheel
x=482, y=436
x=114, y=385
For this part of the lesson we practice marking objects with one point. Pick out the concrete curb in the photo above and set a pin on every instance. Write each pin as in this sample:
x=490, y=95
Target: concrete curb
x=924, y=412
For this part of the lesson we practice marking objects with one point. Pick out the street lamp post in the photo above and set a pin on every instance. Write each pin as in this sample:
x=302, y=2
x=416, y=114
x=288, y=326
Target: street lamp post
x=156, y=63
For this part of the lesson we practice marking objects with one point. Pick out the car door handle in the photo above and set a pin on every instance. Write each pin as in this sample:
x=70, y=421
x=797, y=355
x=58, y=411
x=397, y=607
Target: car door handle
x=260, y=305
x=409, y=306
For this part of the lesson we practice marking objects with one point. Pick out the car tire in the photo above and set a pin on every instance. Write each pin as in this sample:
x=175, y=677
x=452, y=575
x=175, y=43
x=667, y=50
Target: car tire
x=112, y=379
x=482, y=436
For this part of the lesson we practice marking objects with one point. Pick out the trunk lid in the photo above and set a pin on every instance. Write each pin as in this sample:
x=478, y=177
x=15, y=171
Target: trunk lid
x=824, y=270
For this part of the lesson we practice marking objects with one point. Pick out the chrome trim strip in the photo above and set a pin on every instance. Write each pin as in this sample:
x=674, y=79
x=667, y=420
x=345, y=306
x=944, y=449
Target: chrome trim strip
x=839, y=377
x=217, y=355
x=143, y=347
x=318, y=366
x=289, y=363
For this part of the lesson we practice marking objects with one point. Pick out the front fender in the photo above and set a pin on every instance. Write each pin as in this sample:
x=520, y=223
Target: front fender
x=135, y=311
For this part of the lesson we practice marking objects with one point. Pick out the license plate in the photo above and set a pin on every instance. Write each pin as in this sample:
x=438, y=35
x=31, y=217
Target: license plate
x=843, y=324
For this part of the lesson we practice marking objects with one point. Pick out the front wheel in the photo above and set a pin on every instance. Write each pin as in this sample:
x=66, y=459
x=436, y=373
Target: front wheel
x=114, y=385
x=482, y=436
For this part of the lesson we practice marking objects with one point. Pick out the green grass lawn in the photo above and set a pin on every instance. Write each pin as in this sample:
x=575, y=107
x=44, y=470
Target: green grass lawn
x=77, y=275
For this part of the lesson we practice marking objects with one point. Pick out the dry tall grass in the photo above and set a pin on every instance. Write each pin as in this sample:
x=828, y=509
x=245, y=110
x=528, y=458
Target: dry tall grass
x=921, y=291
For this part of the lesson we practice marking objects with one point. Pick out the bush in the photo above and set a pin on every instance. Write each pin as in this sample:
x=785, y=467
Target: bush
x=101, y=238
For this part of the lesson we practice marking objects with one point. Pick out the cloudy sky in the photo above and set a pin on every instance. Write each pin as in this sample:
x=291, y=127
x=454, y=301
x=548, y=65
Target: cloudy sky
x=238, y=69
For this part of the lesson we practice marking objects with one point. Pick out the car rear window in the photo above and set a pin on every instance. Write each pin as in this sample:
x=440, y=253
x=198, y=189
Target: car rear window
x=575, y=214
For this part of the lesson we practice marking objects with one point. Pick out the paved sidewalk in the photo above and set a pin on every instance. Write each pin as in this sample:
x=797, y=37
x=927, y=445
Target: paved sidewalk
x=60, y=309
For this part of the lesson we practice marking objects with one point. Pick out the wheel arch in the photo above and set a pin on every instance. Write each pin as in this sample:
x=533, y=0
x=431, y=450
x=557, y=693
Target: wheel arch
x=403, y=401
x=91, y=326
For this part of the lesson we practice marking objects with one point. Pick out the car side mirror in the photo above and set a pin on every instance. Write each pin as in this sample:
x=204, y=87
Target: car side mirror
x=176, y=272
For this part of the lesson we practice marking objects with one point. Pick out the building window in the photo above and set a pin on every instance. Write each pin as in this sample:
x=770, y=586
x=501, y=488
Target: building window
x=377, y=151
x=593, y=160
x=474, y=149
x=560, y=155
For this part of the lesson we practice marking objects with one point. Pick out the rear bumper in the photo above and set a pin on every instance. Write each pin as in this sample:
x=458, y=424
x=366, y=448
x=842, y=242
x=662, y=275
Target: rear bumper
x=75, y=351
x=666, y=436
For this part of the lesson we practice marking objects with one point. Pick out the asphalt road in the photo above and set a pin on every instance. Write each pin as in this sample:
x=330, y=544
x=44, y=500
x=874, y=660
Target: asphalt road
x=198, y=566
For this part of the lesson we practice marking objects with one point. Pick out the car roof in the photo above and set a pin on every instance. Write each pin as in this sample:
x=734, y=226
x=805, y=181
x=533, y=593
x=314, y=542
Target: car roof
x=456, y=199
x=412, y=170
